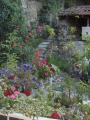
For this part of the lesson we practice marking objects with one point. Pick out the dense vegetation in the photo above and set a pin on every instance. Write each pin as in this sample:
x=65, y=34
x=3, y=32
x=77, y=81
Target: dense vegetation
x=9, y=18
x=51, y=83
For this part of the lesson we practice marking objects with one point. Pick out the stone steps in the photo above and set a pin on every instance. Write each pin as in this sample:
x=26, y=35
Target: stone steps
x=43, y=47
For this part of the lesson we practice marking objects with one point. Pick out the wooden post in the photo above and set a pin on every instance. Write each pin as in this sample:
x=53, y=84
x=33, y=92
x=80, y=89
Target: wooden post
x=88, y=21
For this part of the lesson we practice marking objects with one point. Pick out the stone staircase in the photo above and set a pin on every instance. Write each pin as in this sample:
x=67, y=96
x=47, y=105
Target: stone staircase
x=44, y=46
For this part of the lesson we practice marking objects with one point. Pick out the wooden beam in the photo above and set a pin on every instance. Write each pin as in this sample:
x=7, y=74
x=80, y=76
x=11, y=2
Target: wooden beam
x=88, y=21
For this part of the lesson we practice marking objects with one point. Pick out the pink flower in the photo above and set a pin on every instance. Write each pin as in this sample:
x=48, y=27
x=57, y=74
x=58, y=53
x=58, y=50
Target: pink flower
x=11, y=93
x=13, y=97
x=40, y=29
x=16, y=93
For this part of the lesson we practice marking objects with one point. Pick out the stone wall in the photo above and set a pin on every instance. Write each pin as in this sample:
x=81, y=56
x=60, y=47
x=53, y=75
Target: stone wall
x=30, y=10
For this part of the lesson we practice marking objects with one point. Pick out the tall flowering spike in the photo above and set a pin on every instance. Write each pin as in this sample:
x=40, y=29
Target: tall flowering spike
x=37, y=54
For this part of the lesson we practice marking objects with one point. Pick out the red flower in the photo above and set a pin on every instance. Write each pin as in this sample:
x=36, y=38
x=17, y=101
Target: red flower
x=43, y=62
x=27, y=92
x=33, y=62
x=46, y=74
x=8, y=92
x=55, y=115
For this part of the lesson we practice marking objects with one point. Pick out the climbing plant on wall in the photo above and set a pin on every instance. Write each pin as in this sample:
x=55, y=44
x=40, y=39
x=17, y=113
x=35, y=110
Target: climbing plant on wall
x=10, y=19
x=50, y=8
x=10, y=16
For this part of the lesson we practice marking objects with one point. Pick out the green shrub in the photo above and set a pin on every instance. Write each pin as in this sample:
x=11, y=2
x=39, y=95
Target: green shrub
x=10, y=16
x=63, y=64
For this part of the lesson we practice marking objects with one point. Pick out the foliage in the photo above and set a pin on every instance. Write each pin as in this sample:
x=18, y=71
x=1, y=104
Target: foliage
x=72, y=30
x=12, y=62
x=10, y=16
x=50, y=31
x=61, y=63
x=45, y=69
x=82, y=89
x=50, y=8
x=11, y=19
x=21, y=42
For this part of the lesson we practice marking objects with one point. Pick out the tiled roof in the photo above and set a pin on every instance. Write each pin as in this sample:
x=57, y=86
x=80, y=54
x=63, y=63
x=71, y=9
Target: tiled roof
x=76, y=10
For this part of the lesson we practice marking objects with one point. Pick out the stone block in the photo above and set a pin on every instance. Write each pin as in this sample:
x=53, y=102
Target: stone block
x=2, y=117
x=12, y=118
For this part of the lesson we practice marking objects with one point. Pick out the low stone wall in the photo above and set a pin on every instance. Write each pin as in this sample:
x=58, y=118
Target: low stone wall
x=18, y=116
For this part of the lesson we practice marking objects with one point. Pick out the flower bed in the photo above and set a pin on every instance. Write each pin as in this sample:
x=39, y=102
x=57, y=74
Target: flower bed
x=18, y=86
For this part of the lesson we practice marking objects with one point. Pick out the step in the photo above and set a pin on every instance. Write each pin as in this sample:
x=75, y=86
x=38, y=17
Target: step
x=43, y=46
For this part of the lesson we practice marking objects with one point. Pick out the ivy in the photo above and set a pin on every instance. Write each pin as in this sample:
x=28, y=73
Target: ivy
x=10, y=16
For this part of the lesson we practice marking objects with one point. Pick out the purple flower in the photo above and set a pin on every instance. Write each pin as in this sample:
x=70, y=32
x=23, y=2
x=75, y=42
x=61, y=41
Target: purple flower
x=31, y=67
x=39, y=85
x=26, y=67
x=4, y=72
x=34, y=79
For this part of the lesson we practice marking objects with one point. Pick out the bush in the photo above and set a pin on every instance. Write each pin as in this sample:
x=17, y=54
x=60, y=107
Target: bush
x=63, y=64
x=10, y=16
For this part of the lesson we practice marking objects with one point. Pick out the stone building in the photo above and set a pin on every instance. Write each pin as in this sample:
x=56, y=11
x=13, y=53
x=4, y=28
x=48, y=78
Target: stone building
x=30, y=10
x=76, y=16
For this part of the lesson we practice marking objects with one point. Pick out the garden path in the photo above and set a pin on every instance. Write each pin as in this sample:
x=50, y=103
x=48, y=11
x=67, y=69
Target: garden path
x=43, y=47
